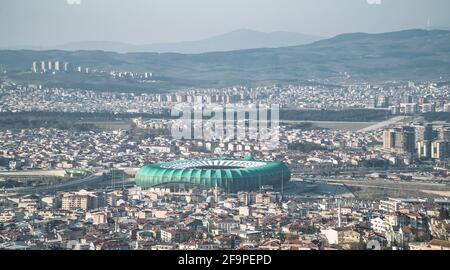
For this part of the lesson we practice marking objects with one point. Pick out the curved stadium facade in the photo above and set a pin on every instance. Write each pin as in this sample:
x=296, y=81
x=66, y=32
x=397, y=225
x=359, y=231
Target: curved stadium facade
x=230, y=175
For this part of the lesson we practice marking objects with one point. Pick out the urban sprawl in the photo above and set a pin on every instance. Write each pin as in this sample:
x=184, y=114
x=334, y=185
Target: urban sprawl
x=372, y=184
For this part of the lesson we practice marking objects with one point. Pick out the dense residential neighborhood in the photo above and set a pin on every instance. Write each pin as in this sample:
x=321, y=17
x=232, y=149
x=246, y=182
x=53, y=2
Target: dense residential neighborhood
x=355, y=185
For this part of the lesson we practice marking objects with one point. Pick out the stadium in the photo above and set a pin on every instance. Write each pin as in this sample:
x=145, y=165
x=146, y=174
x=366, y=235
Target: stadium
x=229, y=175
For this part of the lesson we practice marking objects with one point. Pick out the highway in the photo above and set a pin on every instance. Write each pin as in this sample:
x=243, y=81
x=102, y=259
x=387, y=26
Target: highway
x=33, y=173
x=389, y=122
x=385, y=184
x=299, y=172
x=90, y=181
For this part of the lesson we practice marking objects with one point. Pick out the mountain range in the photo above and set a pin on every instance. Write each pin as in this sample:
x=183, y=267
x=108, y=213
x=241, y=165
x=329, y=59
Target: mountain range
x=402, y=55
x=236, y=40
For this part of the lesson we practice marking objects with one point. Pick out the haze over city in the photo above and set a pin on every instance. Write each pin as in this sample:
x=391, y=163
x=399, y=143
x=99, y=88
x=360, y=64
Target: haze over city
x=56, y=22
x=224, y=125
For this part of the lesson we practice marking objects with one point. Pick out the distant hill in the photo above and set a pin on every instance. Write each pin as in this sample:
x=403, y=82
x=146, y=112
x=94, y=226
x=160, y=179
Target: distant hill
x=440, y=27
x=236, y=40
x=403, y=55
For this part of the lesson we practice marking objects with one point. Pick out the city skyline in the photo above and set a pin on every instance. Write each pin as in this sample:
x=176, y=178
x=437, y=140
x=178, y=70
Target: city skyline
x=253, y=140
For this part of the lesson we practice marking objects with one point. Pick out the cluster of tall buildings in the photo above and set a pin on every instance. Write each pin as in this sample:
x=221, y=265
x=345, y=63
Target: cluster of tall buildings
x=412, y=105
x=447, y=107
x=49, y=66
x=209, y=98
x=422, y=141
x=436, y=146
x=379, y=102
x=79, y=200
x=85, y=200
x=400, y=140
x=409, y=104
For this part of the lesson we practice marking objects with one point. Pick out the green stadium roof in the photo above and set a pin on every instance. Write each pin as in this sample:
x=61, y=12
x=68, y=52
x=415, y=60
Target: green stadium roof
x=231, y=175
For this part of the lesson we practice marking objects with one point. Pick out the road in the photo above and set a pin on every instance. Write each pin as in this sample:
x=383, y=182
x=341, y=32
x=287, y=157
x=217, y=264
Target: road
x=33, y=173
x=384, y=124
x=359, y=170
x=386, y=184
x=91, y=180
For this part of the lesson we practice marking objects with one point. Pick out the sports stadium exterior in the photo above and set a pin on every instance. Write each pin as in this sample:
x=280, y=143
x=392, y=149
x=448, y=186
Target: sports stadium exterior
x=230, y=175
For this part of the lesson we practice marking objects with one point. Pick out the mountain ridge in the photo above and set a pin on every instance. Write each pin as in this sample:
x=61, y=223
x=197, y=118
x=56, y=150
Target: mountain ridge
x=403, y=55
x=240, y=39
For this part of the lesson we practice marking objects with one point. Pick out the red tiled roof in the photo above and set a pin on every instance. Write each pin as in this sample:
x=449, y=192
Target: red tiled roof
x=406, y=229
x=440, y=243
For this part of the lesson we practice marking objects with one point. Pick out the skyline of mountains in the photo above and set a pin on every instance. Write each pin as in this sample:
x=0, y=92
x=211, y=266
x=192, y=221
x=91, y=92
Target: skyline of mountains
x=241, y=39
x=403, y=55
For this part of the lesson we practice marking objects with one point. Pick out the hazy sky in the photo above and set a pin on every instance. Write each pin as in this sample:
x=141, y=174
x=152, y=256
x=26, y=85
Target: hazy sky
x=53, y=22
